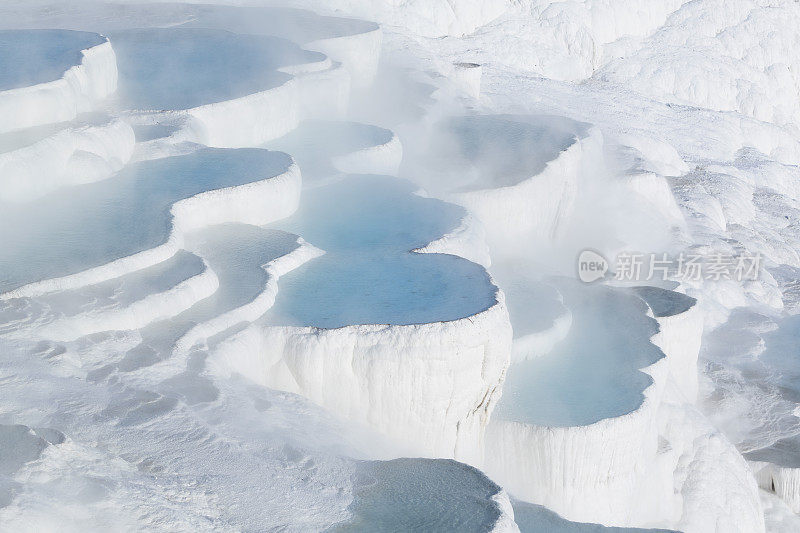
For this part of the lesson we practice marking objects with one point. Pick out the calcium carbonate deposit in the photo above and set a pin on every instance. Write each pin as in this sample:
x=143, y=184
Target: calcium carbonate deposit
x=400, y=266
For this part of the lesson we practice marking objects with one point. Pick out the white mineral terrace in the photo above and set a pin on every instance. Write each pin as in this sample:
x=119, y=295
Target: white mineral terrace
x=311, y=266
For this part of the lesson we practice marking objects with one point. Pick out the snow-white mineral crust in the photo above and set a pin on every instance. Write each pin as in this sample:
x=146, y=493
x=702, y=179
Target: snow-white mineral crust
x=80, y=88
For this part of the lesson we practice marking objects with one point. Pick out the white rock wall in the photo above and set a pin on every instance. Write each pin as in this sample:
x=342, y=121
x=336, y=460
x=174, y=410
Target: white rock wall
x=680, y=339
x=72, y=156
x=783, y=481
x=537, y=209
x=584, y=473
x=429, y=387
x=78, y=90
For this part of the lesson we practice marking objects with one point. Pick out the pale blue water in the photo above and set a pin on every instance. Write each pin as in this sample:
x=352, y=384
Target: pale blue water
x=594, y=373
x=28, y=57
x=368, y=225
x=476, y=152
x=295, y=24
x=533, y=518
x=315, y=142
x=533, y=305
x=148, y=132
x=784, y=452
x=778, y=368
x=90, y=225
x=665, y=302
x=236, y=253
x=782, y=356
x=431, y=495
x=177, y=68
x=509, y=149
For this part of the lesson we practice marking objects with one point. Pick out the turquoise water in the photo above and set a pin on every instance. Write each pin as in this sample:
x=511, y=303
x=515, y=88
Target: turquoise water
x=665, y=302
x=431, y=495
x=236, y=253
x=90, y=225
x=509, y=149
x=594, y=373
x=533, y=518
x=29, y=57
x=315, y=142
x=162, y=69
x=477, y=152
x=295, y=24
x=368, y=225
